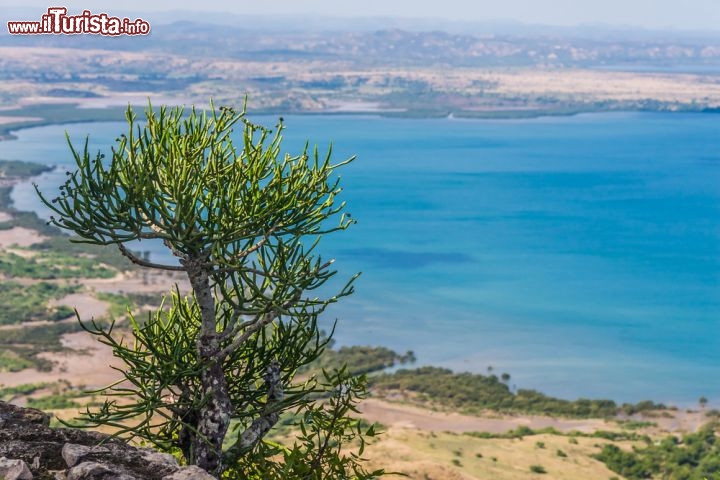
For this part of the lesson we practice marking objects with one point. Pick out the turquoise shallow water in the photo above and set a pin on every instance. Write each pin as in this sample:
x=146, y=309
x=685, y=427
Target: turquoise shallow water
x=579, y=254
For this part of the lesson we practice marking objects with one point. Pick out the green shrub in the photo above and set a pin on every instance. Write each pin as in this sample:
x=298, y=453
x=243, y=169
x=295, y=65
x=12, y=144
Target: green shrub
x=53, y=402
x=52, y=265
x=473, y=393
x=694, y=457
x=22, y=303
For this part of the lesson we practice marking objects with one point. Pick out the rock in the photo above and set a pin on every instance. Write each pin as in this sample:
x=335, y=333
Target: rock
x=14, y=470
x=12, y=415
x=189, y=473
x=71, y=454
x=96, y=471
x=153, y=456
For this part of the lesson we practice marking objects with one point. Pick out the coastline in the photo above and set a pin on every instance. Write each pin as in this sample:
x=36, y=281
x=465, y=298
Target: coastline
x=19, y=117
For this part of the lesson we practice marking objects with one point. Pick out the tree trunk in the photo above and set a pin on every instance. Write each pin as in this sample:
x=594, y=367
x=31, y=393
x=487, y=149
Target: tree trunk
x=213, y=419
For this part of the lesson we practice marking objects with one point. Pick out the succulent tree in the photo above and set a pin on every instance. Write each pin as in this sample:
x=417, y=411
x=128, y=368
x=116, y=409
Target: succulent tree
x=210, y=373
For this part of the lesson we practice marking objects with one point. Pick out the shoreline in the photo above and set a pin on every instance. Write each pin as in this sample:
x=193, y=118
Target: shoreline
x=111, y=113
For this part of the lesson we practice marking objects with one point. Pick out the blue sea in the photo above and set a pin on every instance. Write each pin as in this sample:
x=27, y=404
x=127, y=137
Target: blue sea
x=581, y=254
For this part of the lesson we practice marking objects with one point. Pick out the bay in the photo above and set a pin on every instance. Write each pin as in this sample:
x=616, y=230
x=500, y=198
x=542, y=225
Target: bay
x=579, y=254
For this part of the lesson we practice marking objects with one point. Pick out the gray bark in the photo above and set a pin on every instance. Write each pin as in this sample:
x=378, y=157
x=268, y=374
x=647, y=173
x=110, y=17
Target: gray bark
x=270, y=416
x=214, y=416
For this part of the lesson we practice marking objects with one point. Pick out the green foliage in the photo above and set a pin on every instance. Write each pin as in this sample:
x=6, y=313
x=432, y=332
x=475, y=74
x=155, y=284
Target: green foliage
x=56, y=401
x=537, y=469
x=23, y=303
x=120, y=303
x=519, y=432
x=636, y=424
x=645, y=406
x=45, y=337
x=361, y=359
x=524, y=431
x=473, y=393
x=8, y=393
x=58, y=243
x=21, y=169
x=5, y=203
x=61, y=397
x=21, y=346
x=11, y=361
x=694, y=457
x=244, y=225
x=325, y=428
x=163, y=359
x=23, y=219
x=52, y=265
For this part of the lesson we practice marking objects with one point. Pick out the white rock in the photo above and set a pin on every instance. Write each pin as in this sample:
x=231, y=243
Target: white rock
x=192, y=472
x=14, y=470
x=95, y=471
x=153, y=456
x=73, y=453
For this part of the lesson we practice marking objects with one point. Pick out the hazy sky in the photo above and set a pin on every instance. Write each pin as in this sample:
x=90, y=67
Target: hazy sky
x=679, y=14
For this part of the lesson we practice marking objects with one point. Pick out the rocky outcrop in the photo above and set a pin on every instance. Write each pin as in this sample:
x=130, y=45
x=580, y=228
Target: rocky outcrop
x=31, y=450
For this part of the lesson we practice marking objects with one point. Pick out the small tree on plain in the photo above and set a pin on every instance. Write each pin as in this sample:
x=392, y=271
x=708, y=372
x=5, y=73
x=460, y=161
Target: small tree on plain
x=210, y=373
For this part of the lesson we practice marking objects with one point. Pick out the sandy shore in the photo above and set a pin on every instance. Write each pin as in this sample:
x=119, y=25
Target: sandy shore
x=407, y=416
x=142, y=281
x=397, y=415
x=19, y=236
x=89, y=364
x=85, y=303
x=5, y=119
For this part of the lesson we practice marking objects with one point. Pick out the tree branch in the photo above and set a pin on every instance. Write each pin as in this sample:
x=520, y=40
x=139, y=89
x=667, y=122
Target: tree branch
x=260, y=426
x=255, y=326
x=258, y=245
x=245, y=269
x=145, y=263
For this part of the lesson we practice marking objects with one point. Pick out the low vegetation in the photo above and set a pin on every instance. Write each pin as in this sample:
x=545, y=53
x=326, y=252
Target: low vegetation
x=58, y=243
x=696, y=456
x=8, y=393
x=360, y=359
x=524, y=431
x=21, y=169
x=21, y=346
x=23, y=303
x=12, y=361
x=473, y=393
x=50, y=265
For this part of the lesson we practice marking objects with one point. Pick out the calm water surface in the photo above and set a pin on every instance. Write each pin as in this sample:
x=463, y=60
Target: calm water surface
x=579, y=254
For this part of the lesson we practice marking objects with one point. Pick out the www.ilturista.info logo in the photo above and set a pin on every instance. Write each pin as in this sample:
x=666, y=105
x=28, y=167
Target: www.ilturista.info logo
x=57, y=21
